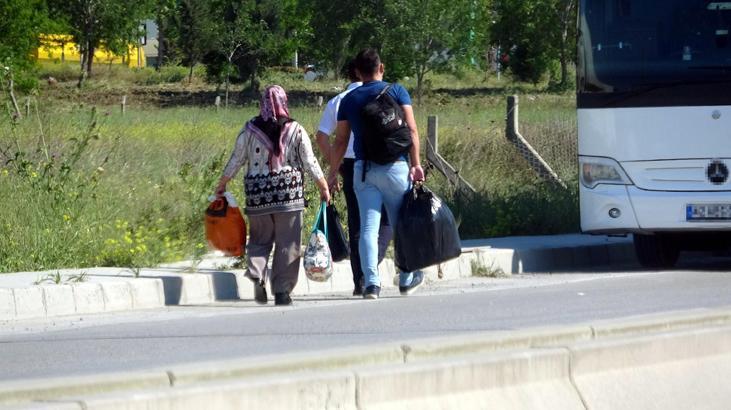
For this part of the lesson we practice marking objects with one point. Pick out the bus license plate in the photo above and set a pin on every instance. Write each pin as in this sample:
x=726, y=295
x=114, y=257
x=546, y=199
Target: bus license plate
x=708, y=212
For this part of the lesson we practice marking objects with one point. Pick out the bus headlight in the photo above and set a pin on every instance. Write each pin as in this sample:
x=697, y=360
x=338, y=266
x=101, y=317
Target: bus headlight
x=598, y=170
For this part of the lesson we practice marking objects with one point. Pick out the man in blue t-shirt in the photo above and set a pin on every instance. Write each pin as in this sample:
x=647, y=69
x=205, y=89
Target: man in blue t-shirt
x=328, y=123
x=384, y=184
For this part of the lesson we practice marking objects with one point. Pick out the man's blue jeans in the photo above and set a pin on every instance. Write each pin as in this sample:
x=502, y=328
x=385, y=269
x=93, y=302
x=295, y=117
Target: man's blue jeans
x=384, y=185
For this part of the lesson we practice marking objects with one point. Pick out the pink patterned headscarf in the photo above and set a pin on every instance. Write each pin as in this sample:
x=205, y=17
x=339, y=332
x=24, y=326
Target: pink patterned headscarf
x=272, y=108
x=273, y=103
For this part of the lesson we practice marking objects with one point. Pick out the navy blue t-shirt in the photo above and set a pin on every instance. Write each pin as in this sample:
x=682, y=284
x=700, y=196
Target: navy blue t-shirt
x=353, y=103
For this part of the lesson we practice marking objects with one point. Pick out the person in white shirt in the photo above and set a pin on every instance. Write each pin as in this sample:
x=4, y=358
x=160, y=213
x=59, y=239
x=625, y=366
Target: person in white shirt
x=327, y=126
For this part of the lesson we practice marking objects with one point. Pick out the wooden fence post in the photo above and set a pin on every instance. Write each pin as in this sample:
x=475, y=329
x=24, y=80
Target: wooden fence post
x=432, y=130
x=124, y=104
x=436, y=160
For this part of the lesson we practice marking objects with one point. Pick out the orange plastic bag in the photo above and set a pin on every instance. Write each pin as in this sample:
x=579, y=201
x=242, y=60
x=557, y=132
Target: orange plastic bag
x=225, y=226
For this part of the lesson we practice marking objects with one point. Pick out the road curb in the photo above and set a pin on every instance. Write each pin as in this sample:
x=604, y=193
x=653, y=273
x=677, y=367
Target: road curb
x=118, y=290
x=687, y=369
x=18, y=391
x=82, y=298
x=637, y=365
x=422, y=354
x=288, y=363
x=515, y=378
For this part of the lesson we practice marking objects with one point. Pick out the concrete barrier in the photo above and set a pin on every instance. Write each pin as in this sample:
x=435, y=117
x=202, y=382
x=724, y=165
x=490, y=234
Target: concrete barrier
x=533, y=379
x=391, y=354
x=53, y=405
x=642, y=363
x=488, y=342
x=678, y=370
x=19, y=391
x=285, y=392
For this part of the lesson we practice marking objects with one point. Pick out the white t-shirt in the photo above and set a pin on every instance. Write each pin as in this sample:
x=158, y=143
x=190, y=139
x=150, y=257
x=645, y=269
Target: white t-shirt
x=329, y=120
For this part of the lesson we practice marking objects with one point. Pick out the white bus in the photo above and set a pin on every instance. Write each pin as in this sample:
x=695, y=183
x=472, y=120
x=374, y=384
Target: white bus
x=654, y=124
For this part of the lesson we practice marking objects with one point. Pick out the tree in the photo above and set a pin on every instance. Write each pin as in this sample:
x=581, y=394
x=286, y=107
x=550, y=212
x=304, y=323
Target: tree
x=20, y=25
x=566, y=15
x=164, y=12
x=422, y=36
x=253, y=34
x=232, y=32
x=92, y=23
x=537, y=33
x=192, y=30
x=414, y=37
x=331, y=39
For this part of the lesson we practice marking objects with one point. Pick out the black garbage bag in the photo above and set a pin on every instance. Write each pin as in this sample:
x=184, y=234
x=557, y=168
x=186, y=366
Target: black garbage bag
x=426, y=233
x=335, y=236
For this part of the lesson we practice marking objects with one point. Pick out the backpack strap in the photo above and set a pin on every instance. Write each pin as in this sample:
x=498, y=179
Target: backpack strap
x=365, y=162
x=384, y=91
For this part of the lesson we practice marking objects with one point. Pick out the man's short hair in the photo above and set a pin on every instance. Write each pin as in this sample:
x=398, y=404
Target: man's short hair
x=349, y=71
x=367, y=61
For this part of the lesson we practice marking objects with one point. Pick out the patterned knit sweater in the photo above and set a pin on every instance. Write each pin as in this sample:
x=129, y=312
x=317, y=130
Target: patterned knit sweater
x=270, y=191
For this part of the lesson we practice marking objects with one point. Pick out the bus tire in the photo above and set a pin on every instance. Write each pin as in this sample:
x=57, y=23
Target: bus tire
x=656, y=251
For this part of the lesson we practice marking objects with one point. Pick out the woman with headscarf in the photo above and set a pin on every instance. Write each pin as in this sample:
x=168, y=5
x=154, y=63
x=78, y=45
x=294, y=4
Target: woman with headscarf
x=275, y=149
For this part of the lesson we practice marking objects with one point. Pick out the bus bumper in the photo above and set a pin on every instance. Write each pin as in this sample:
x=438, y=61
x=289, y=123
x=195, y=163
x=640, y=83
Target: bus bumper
x=662, y=210
x=642, y=211
x=596, y=205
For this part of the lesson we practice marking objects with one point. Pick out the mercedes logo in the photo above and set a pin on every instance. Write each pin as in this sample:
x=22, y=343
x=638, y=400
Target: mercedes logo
x=717, y=172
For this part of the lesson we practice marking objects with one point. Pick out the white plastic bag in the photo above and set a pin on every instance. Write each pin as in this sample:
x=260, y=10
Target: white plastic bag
x=318, y=259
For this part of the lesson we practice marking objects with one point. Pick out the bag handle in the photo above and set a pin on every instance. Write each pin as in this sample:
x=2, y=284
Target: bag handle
x=217, y=207
x=321, y=216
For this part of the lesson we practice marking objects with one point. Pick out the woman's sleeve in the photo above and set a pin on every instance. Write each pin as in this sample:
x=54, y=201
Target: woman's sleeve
x=307, y=156
x=239, y=156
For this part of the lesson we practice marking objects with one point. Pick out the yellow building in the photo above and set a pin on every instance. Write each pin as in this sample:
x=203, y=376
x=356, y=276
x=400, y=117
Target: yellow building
x=61, y=48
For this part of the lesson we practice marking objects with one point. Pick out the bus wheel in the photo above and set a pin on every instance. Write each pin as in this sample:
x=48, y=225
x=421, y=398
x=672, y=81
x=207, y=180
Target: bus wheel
x=656, y=251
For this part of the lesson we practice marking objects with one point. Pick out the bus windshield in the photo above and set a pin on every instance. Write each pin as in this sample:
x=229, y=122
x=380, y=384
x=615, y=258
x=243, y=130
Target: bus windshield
x=630, y=45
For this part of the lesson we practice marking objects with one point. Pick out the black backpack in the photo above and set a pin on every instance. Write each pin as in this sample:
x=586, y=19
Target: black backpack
x=386, y=137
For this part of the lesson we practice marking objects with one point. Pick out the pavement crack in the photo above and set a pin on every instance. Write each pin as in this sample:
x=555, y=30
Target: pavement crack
x=571, y=377
x=171, y=377
x=406, y=349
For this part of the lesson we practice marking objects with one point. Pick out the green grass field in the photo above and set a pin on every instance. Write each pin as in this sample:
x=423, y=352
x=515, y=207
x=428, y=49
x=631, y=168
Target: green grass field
x=85, y=186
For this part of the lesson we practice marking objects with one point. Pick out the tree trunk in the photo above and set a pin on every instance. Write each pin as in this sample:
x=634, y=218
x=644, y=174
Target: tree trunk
x=419, y=84
x=83, y=55
x=90, y=59
x=564, y=67
x=190, y=74
x=228, y=75
x=160, y=41
x=566, y=19
x=255, y=66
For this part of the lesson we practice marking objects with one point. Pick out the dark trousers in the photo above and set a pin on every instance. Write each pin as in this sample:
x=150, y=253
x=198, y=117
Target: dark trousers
x=385, y=232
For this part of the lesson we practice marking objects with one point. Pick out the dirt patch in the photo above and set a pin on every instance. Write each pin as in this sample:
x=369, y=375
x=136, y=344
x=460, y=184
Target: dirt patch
x=168, y=96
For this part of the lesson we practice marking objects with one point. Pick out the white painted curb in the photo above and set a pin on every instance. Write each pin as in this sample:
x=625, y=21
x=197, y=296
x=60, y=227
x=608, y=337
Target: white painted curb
x=500, y=366
x=169, y=285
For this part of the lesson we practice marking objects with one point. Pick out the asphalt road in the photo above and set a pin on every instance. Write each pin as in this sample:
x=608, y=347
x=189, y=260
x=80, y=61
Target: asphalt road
x=154, y=339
